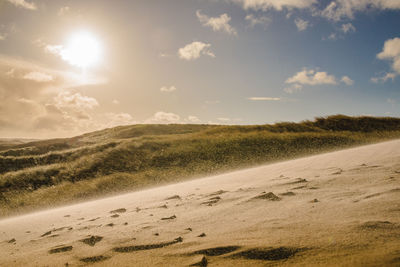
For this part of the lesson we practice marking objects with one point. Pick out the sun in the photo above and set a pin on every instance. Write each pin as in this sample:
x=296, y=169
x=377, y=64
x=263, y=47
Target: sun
x=82, y=50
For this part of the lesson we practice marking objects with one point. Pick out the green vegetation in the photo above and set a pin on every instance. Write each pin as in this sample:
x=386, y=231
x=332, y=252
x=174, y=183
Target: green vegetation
x=53, y=172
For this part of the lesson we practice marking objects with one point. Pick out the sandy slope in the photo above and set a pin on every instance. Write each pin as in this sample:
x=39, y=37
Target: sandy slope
x=344, y=209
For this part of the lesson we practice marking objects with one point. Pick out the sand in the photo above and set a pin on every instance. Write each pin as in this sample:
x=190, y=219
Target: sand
x=334, y=209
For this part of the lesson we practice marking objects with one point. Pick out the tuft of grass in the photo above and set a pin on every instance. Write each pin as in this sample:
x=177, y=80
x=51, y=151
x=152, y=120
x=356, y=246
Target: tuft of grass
x=52, y=172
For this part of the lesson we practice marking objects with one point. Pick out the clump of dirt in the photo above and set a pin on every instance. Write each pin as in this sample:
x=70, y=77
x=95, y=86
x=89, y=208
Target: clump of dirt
x=202, y=263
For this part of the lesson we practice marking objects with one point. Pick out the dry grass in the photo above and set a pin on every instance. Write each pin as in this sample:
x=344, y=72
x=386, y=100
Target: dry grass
x=52, y=172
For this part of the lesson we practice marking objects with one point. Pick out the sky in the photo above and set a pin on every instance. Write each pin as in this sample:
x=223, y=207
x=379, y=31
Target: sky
x=70, y=67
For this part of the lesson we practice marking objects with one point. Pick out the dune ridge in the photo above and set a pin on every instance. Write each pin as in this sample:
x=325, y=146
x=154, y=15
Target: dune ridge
x=335, y=209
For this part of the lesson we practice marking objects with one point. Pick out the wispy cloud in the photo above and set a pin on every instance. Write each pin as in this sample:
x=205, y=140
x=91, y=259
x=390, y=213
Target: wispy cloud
x=167, y=89
x=258, y=20
x=275, y=4
x=346, y=79
x=345, y=9
x=23, y=4
x=38, y=77
x=194, y=50
x=348, y=27
x=220, y=23
x=301, y=24
x=384, y=78
x=264, y=98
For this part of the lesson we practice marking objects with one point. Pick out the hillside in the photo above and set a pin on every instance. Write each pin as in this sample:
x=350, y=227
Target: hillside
x=333, y=209
x=51, y=172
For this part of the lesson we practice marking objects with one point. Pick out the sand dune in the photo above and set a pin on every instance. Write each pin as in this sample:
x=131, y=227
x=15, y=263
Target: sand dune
x=340, y=208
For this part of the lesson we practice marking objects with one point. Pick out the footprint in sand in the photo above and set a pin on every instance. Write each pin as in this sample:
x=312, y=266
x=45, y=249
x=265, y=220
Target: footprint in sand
x=147, y=247
x=268, y=196
x=289, y=193
x=274, y=254
x=177, y=197
x=219, y=192
x=169, y=218
x=211, y=201
x=92, y=240
x=216, y=251
x=94, y=259
x=60, y=249
x=121, y=210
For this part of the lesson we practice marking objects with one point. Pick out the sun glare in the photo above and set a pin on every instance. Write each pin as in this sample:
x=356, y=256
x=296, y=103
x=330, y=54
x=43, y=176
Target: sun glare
x=83, y=50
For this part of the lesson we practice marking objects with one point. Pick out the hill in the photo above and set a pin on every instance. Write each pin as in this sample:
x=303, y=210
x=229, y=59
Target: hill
x=50, y=172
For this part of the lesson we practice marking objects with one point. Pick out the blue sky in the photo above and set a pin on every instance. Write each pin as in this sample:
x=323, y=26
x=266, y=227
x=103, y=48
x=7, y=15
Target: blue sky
x=227, y=62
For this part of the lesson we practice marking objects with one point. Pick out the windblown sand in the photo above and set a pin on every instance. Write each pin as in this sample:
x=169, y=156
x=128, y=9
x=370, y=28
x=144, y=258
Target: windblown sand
x=334, y=209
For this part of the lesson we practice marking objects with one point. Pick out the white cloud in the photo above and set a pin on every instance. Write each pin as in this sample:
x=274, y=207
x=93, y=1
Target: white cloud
x=38, y=77
x=68, y=99
x=194, y=50
x=161, y=117
x=262, y=98
x=3, y=36
x=346, y=9
x=347, y=80
x=384, y=78
x=348, y=27
x=260, y=20
x=301, y=24
x=117, y=119
x=167, y=89
x=391, y=52
x=224, y=119
x=193, y=119
x=220, y=23
x=23, y=4
x=275, y=4
x=115, y=102
x=311, y=77
x=63, y=10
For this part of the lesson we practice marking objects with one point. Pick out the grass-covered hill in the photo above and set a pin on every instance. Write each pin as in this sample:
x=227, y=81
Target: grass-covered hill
x=51, y=172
